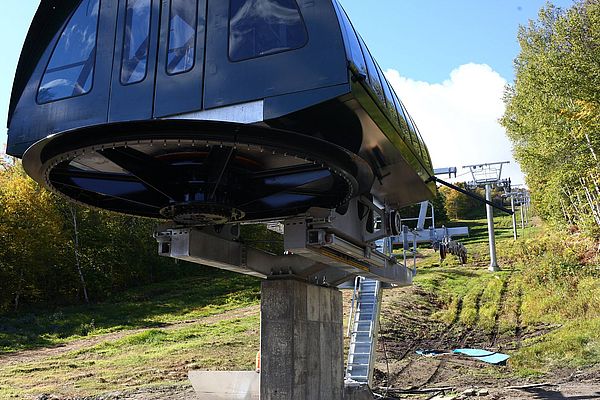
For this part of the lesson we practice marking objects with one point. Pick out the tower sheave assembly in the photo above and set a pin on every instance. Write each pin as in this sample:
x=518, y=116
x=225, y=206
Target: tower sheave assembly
x=207, y=114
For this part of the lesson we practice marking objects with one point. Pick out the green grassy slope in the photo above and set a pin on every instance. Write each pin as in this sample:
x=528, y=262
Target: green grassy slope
x=546, y=299
x=144, y=337
x=149, y=306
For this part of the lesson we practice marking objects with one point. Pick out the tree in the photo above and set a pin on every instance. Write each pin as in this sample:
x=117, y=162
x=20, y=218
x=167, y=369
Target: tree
x=30, y=237
x=553, y=113
x=55, y=252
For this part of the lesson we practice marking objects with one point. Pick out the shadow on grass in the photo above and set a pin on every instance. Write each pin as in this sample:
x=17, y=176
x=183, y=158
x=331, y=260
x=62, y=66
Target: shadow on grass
x=146, y=307
x=540, y=393
x=478, y=231
x=448, y=273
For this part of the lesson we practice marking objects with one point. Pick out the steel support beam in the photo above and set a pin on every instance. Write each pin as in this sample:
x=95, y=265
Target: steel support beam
x=491, y=233
x=514, y=216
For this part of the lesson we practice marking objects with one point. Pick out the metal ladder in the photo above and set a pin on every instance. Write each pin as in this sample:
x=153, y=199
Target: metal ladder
x=363, y=329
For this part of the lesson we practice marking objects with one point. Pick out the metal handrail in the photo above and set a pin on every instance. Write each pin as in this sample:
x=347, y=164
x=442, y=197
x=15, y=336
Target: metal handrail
x=350, y=317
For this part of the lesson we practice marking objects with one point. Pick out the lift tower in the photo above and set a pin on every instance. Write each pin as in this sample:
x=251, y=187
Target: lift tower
x=171, y=110
x=488, y=175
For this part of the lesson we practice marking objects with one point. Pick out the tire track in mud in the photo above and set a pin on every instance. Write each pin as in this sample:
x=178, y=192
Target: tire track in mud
x=436, y=372
x=500, y=309
x=462, y=339
x=467, y=332
x=440, y=342
x=453, y=323
x=518, y=319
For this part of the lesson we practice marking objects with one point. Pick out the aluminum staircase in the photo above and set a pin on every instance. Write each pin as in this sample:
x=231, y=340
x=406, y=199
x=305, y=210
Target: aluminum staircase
x=363, y=329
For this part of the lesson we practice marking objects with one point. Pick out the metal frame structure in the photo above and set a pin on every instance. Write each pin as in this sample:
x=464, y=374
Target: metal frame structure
x=438, y=237
x=487, y=175
x=523, y=201
x=322, y=246
x=518, y=197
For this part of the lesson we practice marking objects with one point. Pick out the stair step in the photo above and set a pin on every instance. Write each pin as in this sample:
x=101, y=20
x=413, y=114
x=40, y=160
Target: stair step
x=363, y=336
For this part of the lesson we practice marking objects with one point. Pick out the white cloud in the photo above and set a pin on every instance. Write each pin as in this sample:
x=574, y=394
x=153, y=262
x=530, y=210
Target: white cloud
x=458, y=118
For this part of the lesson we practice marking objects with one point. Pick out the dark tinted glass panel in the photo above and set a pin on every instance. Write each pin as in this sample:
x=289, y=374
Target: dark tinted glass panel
x=401, y=117
x=389, y=98
x=261, y=27
x=356, y=55
x=71, y=68
x=373, y=74
x=136, y=43
x=421, y=141
x=182, y=36
x=411, y=129
x=413, y=133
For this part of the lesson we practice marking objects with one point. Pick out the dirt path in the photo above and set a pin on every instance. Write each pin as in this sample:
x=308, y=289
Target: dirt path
x=569, y=390
x=39, y=354
x=499, y=310
x=407, y=327
x=183, y=392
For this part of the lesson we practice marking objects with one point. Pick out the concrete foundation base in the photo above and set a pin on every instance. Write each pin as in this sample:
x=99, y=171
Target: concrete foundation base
x=219, y=385
x=245, y=385
x=301, y=342
x=358, y=393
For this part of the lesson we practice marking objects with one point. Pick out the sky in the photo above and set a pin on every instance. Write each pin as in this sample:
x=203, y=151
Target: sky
x=448, y=60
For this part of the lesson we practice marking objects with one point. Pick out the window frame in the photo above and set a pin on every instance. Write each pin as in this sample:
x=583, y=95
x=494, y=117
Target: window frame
x=95, y=51
x=367, y=55
x=349, y=32
x=168, y=44
x=388, y=106
x=231, y=60
x=404, y=129
x=148, y=48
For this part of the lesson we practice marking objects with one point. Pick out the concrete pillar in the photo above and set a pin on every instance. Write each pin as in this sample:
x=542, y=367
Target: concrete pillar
x=491, y=233
x=301, y=342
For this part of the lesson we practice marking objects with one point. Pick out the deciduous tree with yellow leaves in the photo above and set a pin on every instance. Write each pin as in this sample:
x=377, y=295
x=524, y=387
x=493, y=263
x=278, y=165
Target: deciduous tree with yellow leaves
x=553, y=113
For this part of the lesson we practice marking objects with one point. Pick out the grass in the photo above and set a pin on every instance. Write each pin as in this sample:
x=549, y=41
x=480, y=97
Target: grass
x=575, y=345
x=149, y=306
x=550, y=282
x=138, y=360
x=490, y=302
x=164, y=334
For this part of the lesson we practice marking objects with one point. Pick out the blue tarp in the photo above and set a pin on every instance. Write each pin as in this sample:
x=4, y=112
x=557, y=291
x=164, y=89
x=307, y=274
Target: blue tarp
x=489, y=357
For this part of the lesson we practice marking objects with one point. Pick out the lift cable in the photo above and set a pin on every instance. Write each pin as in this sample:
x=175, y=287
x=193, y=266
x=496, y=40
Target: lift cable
x=466, y=192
